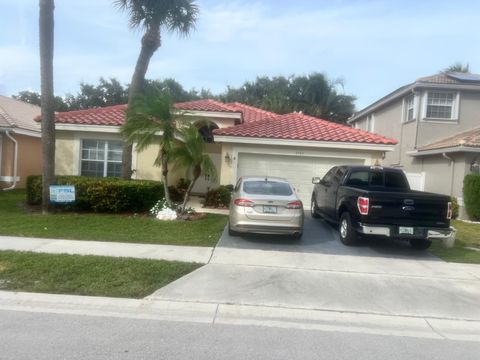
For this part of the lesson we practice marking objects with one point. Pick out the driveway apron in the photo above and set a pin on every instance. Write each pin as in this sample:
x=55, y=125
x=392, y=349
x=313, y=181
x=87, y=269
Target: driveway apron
x=318, y=272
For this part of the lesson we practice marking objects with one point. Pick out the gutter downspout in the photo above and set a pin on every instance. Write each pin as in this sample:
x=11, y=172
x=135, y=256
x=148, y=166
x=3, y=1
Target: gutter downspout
x=15, y=158
x=452, y=164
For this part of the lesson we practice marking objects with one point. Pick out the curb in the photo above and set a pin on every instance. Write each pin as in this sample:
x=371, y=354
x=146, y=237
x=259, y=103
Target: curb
x=243, y=315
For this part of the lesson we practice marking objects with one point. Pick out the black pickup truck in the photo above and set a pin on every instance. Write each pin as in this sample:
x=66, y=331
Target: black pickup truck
x=378, y=201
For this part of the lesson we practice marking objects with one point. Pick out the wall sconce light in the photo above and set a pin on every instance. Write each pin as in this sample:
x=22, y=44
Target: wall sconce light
x=228, y=158
x=474, y=167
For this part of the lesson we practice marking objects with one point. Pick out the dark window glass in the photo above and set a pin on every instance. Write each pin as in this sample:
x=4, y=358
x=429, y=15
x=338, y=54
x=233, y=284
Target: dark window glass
x=267, y=188
x=388, y=179
x=329, y=175
x=376, y=178
x=395, y=180
x=358, y=178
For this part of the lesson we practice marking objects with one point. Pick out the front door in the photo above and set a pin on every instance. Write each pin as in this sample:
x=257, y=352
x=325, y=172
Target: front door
x=204, y=183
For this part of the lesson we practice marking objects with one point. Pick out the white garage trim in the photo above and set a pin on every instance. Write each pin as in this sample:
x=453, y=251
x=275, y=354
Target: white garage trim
x=304, y=143
x=298, y=167
x=327, y=153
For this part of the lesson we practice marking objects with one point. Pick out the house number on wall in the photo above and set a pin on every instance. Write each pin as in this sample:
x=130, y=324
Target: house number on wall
x=299, y=153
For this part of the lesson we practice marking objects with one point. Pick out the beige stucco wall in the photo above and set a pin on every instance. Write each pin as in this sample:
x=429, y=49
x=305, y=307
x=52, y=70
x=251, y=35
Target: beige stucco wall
x=64, y=153
x=67, y=159
x=29, y=161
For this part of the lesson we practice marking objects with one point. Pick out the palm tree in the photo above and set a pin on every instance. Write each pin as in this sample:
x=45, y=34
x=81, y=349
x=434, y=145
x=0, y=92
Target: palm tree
x=46, y=26
x=458, y=67
x=149, y=121
x=191, y=154
x=154, y=16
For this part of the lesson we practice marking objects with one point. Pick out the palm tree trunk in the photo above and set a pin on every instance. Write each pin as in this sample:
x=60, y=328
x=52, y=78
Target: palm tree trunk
x=46, y=32
x=165, y=177
x=150, y=43
x=187, y=194
x=197, y=171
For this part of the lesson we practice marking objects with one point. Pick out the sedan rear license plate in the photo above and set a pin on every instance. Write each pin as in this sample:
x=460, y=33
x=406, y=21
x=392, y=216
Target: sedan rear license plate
x=267, y=209
x=405, y=230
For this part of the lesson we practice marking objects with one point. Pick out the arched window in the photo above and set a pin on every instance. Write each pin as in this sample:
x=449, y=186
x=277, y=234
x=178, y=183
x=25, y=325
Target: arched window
x=205, y=128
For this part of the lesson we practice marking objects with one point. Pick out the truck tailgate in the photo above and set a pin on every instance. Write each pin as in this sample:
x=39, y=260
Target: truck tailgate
x=408, y=208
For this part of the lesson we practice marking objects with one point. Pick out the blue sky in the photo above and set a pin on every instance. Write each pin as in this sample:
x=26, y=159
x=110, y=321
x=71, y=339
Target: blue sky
x=374, y=46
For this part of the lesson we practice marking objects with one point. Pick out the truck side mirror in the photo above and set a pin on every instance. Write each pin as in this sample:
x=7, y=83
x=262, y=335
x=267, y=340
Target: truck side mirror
x=316, y=180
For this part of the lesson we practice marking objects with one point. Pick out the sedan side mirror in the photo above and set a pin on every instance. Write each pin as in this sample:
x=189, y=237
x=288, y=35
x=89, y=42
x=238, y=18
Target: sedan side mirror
x=316, y=180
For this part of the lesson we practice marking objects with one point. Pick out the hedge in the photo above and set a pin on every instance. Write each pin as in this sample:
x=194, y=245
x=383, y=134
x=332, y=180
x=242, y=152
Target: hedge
x=112, y=195
x=471, y=195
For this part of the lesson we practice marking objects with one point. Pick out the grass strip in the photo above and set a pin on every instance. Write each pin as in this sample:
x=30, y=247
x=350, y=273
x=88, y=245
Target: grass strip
x=468, y=235
x=87, y=275
x=16, y=220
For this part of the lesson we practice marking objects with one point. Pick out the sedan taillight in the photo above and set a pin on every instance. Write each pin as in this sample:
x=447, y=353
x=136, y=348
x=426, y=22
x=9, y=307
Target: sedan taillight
x=449, y=210
x=243, y=202
x=363, y=204
x=294, y=205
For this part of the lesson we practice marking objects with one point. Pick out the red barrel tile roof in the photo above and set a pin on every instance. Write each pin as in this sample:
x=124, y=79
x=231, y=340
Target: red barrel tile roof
x=251, y=113
x=296, y=126
x=469, y=138
x=109, y=115
x=205, y=105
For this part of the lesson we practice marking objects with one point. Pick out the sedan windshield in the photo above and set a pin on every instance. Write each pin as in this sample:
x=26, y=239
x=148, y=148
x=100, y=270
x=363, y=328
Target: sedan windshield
x=267, y=188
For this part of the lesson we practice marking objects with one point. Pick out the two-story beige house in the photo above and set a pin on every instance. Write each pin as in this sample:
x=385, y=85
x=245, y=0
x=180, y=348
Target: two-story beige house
x=436, y=120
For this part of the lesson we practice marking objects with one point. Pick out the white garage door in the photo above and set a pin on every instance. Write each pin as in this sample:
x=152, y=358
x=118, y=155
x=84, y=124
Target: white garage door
x=299, y=170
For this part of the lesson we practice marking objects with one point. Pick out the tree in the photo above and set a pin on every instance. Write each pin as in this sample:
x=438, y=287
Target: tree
x=154, y=16
x=313, y=95
x=34, y=98
x=106, y=93
x=46, y=33
x=150, y=121
x=458, y=67
x=192, y=155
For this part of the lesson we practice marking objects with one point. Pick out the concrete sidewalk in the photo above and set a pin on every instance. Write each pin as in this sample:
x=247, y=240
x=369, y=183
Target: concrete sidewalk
x=195, y=254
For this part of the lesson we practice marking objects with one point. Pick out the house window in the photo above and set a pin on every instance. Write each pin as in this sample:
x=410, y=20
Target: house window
x=441, y=105
x=101, y=158
x=409, y=108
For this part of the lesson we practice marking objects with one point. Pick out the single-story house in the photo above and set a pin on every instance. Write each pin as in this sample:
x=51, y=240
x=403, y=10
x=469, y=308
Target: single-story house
x=245, y=140
x=20, y=142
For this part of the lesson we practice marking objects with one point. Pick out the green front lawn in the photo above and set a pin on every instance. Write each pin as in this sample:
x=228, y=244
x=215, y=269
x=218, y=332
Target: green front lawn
x=87, y=275
x=468, y=235
x=17, y=220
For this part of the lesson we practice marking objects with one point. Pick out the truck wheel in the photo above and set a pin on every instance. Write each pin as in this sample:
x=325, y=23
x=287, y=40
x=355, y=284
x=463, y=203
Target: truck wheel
x=420, y=244
x=348, y=235
x=314, y=209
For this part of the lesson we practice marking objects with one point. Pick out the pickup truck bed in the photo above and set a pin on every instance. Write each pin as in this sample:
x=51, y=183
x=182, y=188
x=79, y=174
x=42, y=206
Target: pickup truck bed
x=378, y=202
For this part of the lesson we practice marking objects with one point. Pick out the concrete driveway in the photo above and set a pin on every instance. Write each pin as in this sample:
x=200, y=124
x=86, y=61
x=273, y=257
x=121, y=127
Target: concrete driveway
x=318, y=272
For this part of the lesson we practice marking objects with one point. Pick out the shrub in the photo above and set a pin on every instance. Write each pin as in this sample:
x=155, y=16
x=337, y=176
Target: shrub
x=471, y=195
x=454, y=208
x=177, y=192
x=219, y=197
x=102, y=194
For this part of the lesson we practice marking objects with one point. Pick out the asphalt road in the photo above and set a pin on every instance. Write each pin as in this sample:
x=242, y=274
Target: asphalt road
x=29, y=335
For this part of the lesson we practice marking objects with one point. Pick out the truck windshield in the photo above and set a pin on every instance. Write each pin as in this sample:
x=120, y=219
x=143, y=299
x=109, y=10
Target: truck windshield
x=387, y=179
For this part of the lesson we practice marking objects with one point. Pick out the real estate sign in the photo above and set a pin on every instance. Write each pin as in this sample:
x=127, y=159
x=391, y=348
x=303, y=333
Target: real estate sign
x=62, y=194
